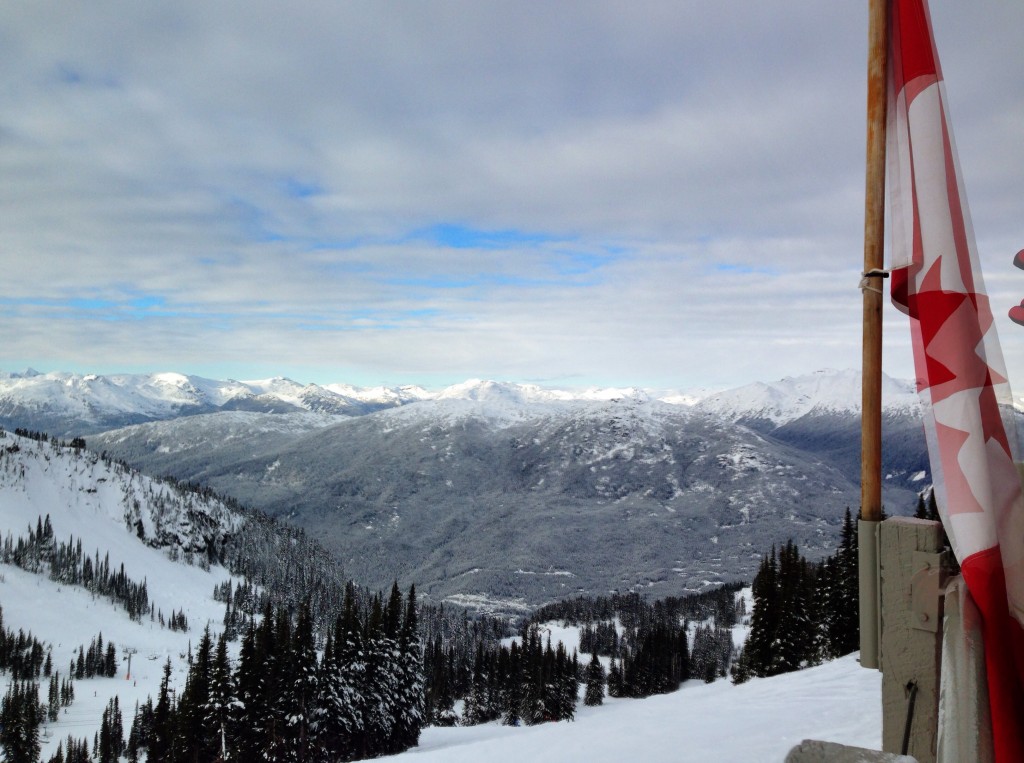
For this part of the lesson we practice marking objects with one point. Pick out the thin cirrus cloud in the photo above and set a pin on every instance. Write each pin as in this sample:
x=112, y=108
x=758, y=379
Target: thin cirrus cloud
x=655, y=194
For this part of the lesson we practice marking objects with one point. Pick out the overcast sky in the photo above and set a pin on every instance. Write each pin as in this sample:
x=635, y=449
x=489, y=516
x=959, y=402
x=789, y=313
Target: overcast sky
x=657, y=194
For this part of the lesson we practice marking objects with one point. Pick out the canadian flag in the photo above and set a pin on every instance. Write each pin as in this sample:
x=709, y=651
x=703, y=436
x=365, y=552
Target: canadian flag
x=960, y=372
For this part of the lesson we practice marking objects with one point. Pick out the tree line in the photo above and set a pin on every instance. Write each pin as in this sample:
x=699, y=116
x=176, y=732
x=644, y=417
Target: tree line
x=803, y=612
x=64, y=562
x=653, y=646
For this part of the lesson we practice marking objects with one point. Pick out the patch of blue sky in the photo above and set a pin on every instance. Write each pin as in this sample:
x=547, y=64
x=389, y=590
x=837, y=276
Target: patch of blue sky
x=106, y=308
x=423, y=312
x=68, y=74
x=457, y=236
x=575, y=263
x=256, y=224
x=297, y=188
x=147, y=302
x=88, y=303
x=413, y=313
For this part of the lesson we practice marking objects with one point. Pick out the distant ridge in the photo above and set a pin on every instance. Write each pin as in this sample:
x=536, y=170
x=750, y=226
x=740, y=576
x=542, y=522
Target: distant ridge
x=69, y=404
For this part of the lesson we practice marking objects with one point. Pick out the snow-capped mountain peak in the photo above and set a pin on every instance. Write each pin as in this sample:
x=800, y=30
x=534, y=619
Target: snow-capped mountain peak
x=499, y=392
x=65, y=403
x=825, y=391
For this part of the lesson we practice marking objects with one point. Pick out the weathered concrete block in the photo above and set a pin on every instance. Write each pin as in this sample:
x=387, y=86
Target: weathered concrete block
x=910, y=574
x=813, y=751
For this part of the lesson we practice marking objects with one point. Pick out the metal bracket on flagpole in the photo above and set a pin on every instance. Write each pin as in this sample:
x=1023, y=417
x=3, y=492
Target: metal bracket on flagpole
x=926, y=586
x=865, y=284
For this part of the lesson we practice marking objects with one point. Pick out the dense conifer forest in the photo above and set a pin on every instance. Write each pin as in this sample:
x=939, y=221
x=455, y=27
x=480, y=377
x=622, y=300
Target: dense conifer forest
x=804, y=612
x=360, y=696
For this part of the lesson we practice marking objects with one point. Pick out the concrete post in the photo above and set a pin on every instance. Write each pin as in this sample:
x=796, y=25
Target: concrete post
x=867, y=586
x=912, y=572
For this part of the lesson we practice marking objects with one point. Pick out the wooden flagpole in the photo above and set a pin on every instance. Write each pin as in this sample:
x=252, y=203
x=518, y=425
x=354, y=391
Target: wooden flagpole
x=871, y=370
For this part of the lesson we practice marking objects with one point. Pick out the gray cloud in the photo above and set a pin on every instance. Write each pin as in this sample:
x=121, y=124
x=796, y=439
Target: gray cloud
x=673, y=190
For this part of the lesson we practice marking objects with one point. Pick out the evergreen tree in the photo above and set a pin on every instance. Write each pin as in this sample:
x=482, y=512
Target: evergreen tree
x=249, y=714
x=301, y=691
x=140, y=734
x=757, y=651
x=595, y=682
x=20, y=718
x=409, y=708
x=439, y=706
x=111, y=737
x=278, y=680
x=844, y=634
x=221, y=695
x=615, y=679
x=110, y=661
x=162, y=733
x=260, y=733
x=196, y=739
x=381, y=683
x=476, y=709
x=567, y=673
x=53, y=698
x=337, y=722
x=792, y=642
x=512, y=696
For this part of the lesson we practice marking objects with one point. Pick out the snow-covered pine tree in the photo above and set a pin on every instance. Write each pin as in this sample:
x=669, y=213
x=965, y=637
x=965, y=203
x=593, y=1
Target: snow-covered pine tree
x=512, y=693
x=248, y=720
x=20, y=718
x=568, y=670
x=111, y=735
x=162, y=732
x=757, y=651
x=301, y=689
x=409, y=719
x=277, y=685
x=196, y=739
x=382, y=684
x=792, y=642
x=476, y=709
x=222, y=699
x=595, y=677
x=615, y=678
x=844, y=634
x=339, y=717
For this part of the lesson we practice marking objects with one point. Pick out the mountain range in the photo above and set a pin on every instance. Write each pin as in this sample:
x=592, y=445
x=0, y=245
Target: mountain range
x=491, y=491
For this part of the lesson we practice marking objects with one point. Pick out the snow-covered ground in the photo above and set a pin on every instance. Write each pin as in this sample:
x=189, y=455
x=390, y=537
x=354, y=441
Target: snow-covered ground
x=756, y=721
x=68, y=617
x=88, y=500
